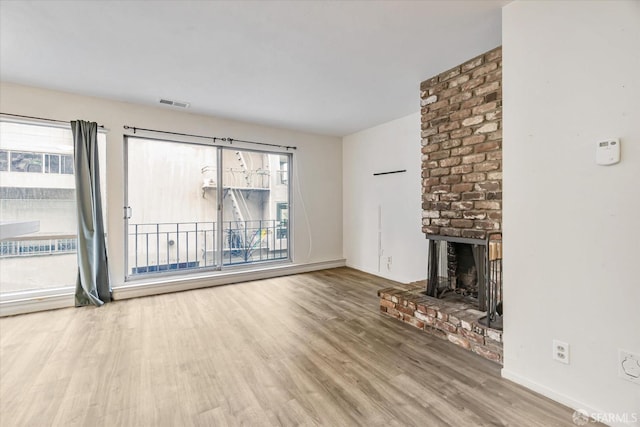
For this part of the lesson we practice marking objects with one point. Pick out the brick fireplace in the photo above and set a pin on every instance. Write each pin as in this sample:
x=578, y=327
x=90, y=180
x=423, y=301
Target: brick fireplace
x=461, y=209
x=462, y=149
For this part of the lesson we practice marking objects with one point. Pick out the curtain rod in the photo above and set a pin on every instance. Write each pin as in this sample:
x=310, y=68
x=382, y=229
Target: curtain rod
x=213, y=138
x=41, y=118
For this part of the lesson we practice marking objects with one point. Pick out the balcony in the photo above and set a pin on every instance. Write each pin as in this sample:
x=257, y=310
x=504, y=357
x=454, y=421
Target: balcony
x=163, y=247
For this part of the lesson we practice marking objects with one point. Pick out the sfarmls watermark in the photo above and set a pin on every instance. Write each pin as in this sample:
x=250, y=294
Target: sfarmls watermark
x=582, y=417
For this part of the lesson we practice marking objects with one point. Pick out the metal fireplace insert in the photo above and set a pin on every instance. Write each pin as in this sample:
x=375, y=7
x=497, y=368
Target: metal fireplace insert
x=469, y=270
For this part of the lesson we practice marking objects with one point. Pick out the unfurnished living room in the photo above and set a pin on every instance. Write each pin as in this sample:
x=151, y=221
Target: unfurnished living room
x=320, y=213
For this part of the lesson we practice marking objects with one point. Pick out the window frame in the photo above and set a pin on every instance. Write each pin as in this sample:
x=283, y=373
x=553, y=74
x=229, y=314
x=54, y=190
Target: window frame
x=219, y=267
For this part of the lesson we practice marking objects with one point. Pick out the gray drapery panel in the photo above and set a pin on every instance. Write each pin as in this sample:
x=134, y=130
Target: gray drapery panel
x=92, y=286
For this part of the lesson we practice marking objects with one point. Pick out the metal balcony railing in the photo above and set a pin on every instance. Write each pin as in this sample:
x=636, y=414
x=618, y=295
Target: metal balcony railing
x=162, y=247
x=38, y=245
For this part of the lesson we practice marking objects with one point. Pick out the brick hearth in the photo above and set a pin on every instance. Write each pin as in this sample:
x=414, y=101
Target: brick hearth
x=452, y=321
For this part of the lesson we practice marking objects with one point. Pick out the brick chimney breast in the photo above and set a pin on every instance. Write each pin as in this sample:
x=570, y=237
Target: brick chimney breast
x=462, y=149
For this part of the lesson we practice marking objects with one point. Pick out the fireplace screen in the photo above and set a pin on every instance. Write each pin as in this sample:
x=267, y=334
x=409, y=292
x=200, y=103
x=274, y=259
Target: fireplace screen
x=469, y=270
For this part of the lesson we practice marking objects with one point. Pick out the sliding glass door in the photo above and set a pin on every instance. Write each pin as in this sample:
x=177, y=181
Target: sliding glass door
x=171, y=209
x=256, y=206
x=191, y=207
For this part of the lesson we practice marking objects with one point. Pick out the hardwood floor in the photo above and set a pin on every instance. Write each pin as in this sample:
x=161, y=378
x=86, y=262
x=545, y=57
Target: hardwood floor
x=310, y=349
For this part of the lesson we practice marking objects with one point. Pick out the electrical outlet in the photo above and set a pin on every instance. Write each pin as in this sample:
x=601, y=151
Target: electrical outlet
x=389, y=262
x=629, y=366
x=561, y=351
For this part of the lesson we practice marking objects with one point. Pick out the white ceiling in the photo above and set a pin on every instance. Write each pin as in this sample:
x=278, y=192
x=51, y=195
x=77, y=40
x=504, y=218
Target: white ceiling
x=328, y=67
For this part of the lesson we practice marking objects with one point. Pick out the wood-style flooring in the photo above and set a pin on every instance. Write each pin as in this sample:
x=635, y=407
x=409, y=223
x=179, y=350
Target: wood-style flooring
x=310, y=349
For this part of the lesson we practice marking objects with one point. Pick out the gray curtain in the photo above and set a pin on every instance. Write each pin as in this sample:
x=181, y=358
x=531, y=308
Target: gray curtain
x=92, y=286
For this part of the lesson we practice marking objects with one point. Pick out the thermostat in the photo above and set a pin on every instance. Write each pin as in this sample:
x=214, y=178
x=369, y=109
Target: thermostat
x=608, y=152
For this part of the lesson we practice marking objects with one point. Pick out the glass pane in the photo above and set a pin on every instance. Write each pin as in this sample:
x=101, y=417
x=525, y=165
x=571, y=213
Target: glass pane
x=52, y=163
x=67, y=163
x=172, y=194
x=4, y=160
x=255, y=206
x=26, y=162
x=46, y=257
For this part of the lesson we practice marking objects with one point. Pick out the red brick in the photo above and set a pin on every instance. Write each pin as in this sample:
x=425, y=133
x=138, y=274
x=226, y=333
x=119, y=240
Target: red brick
x=462, y=169
x=487, y=146
x=459, y=115
x=474, y=215
x=486, y=166
x=448, y=93
x=428, y=83
x=430, y=148
x=483, y=90
x=451, y=143
x=462, y=223
x=487, y=186
x=441, y=222
x=437, y=155
x=453, y=232
x=472, y=336
x=486, y=225
x=386, y=303
x=440, y=171
x=462, y=206
x=472, y=140
x=487, y=354
x=473, y=158
x=471, y=84
x=481, y=109
x=474, y=195
x=449, y=126
x=438, y=105
x=461, y=188
x=487, y=205
x=472, y=102
x=493, y=55
x=487, y=128
x=458, y=80
x=473, y=63
x=441, y=189
x=449, y=74
x=473, y=234
x=460, y=97
x=484, y=69
x=474, y=177
x=450, y=197
x=462, y=151
x=451, y=179
x=451, y=214
x=431, y=230
x=460, y=341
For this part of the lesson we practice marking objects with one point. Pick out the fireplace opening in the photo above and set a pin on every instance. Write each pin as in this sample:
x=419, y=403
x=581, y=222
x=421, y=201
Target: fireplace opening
x=468, y=271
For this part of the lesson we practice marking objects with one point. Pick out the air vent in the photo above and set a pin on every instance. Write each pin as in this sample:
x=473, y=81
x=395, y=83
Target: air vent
x=180, y=104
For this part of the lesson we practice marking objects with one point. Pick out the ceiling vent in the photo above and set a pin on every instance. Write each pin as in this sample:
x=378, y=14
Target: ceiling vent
x=174, y=103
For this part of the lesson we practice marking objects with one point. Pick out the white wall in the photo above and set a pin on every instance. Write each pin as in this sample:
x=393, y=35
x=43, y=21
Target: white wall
x=571, y=228
x=391, y=146
x=317, y=163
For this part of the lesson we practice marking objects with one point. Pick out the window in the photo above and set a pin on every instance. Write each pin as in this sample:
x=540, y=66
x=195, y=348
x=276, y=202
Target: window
x=283, y=220
x=4, y=160
x=174, y=222
x=37, y=185
x=52, y=163
x=26, y=162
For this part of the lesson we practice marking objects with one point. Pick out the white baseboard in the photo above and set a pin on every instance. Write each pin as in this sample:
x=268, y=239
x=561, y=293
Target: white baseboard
x=558, y=397
x=135, y=290
x=44, y=301
x=36, y=303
